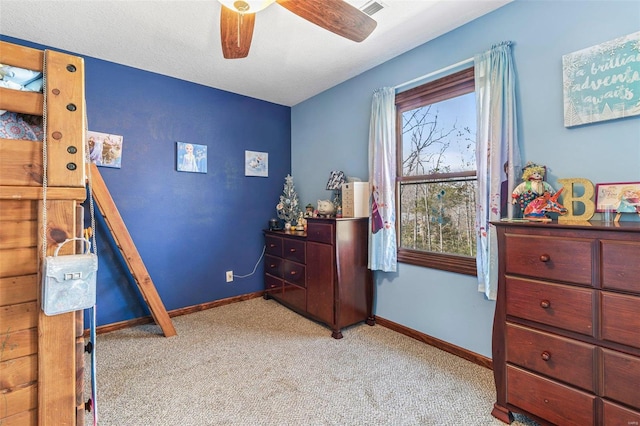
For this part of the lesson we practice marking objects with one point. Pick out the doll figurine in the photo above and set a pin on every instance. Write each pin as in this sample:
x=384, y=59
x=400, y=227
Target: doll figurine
x=302, y=222
x=532, y=187
x=309, y=211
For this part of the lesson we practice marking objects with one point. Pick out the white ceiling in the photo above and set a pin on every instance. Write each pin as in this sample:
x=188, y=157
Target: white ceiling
x=290, y=59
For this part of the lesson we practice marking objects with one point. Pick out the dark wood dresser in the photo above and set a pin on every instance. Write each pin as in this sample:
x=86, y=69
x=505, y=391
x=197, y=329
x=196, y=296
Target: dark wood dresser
x=322, y=274
x=566, y=332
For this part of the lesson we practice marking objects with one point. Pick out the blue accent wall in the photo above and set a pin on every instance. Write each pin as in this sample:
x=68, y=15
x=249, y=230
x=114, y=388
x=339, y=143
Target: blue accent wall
x=330, y=131
x=188, y=227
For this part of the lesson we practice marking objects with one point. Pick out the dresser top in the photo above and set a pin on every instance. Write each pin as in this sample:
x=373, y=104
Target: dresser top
x=282, y=232
x=622, y=226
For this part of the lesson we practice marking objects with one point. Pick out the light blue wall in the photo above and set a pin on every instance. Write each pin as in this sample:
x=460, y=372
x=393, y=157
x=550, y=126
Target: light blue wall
x=330, y=132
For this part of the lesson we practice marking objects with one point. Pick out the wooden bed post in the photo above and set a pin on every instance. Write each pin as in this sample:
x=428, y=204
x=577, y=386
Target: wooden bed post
x=65, y=115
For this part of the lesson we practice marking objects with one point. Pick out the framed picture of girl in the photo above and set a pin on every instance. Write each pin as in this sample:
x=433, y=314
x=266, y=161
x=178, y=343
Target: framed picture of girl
x=191, y=157
x=622, y=197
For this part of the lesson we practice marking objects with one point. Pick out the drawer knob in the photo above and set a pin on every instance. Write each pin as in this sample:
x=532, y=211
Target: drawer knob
x=272, y=245
x=545, y=304
x=546, y=356
x=292, y=250
x=293, y=272
x=272, y=266
x=545, y=258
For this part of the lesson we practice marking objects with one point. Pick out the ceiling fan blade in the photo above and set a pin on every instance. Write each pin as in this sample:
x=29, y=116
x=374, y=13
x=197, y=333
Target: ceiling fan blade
x=337, y=16
x=236, y=31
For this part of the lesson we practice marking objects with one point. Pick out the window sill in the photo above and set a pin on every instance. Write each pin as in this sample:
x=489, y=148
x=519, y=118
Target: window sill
x=446, y=262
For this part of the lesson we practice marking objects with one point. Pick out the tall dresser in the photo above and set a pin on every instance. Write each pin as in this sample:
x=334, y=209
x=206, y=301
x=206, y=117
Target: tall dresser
x=322, y=273
x=566, y=333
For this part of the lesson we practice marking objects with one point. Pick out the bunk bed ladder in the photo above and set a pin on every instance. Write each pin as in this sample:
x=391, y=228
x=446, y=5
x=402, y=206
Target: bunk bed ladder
x=129, y=252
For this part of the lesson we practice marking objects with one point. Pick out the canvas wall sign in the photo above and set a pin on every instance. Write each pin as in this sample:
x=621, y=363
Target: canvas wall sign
x=602, y=82
x=191, y=157
x=256, y=163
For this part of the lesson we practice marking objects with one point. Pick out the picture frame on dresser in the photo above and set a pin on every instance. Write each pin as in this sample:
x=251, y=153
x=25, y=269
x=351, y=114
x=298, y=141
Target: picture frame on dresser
x=621, y=197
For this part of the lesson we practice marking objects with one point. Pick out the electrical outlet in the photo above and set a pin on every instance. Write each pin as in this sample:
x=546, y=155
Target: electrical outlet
x=229, y=276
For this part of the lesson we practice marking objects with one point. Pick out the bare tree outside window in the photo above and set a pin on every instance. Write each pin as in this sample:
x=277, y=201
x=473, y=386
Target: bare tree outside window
x=437, y=173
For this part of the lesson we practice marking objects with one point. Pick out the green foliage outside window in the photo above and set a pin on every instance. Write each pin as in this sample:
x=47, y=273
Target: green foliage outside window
x=439, y=217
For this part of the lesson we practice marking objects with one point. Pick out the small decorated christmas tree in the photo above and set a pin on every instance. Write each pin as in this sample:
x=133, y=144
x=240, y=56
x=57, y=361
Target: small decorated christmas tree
x=289, y=207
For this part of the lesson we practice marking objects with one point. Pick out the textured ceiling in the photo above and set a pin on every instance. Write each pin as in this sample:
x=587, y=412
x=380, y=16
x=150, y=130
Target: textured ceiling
x=290, y=59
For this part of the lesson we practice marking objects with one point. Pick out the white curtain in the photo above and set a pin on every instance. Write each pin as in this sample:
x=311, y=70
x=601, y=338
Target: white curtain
x=383, y=254
x=497, y=150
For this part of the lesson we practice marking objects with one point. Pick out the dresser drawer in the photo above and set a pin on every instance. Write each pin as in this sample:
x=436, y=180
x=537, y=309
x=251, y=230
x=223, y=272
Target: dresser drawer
x=272, y=285
x=563, y=306
x=615, y=415
x=320, y=232
x=548, y=399
x=294, y=273
x=617, y=271
x=273, y=245
x=564, y=359
x=621, y=318
x=295, y=296
x=273, y=266
x=553, y=258
x=294, y=250
x=621, y=377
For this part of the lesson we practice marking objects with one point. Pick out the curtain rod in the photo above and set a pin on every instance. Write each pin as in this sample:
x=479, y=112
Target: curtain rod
x=431, y=74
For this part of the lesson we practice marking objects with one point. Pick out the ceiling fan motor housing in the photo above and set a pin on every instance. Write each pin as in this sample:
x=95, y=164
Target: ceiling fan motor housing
x=246, y=6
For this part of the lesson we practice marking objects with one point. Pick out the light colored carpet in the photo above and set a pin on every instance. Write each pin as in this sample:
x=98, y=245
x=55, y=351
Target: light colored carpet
x=258, y=363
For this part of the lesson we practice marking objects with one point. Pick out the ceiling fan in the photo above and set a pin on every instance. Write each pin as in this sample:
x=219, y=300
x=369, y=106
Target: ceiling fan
x=237, y=19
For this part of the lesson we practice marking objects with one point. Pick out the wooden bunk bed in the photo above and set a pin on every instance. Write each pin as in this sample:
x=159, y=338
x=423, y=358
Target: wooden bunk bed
x=41, y=357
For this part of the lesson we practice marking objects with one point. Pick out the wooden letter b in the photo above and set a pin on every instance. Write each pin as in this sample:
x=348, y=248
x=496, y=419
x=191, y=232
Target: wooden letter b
x=569, y=198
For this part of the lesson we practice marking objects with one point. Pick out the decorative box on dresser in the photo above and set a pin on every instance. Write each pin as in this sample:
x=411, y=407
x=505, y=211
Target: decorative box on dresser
x=566, y=332
x=322, y=273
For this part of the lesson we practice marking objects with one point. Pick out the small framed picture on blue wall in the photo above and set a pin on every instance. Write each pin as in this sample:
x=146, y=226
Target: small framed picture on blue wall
x=191, y=157
x=256, y=163
x=105, y=149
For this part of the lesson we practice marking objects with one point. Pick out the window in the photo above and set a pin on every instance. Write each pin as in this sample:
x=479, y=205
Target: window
x=436, y=132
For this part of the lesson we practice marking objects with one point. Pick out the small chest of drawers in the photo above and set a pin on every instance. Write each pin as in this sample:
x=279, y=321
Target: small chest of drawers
x=322, y=273
x=566, y=336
